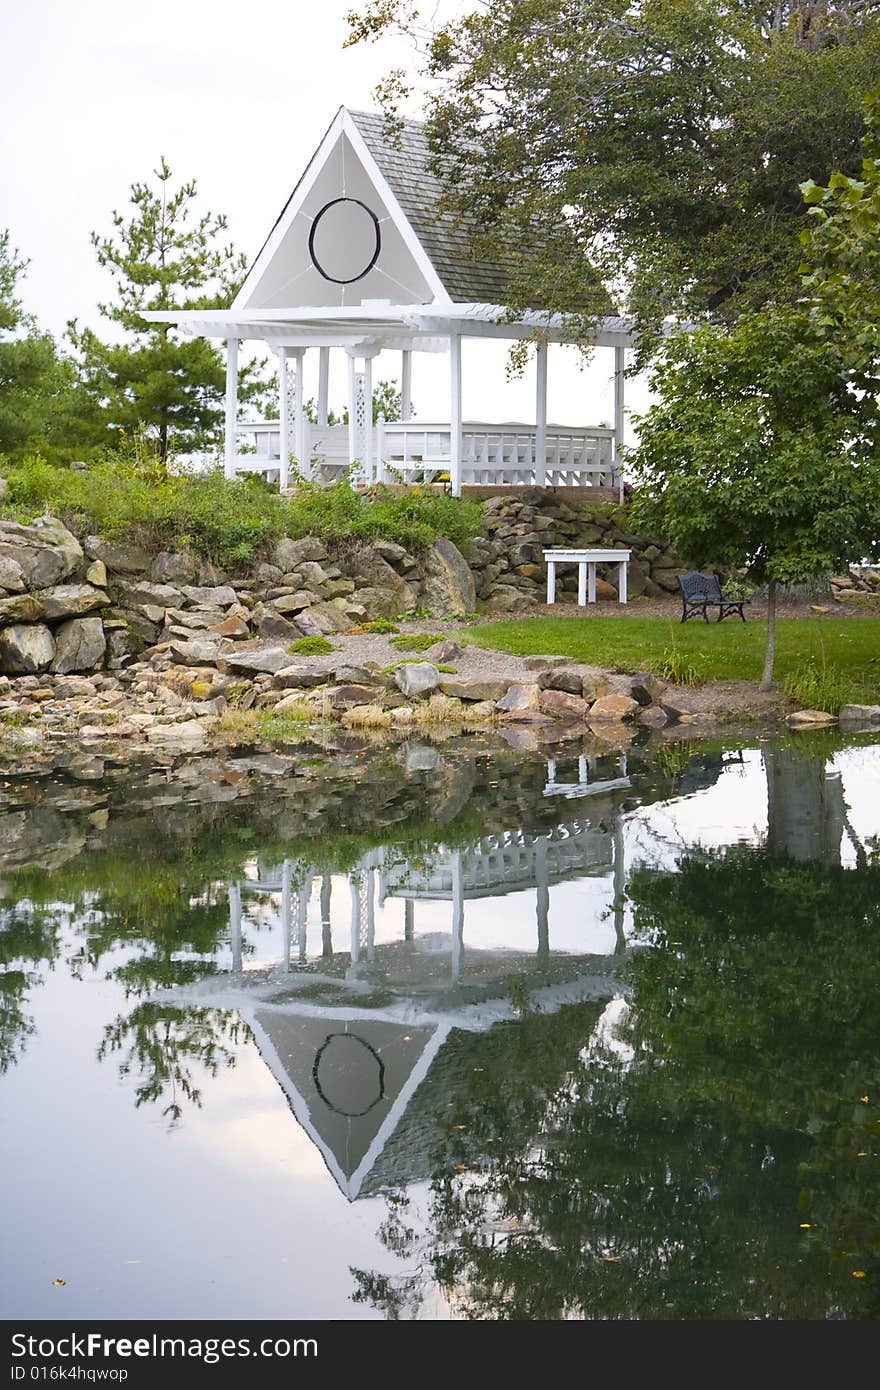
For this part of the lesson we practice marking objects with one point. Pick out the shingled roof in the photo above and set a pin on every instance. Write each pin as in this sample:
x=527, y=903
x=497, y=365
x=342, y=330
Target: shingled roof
x=404, y=160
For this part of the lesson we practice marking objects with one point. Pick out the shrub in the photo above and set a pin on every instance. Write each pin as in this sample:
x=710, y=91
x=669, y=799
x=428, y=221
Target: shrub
x=381, y=625
x=416, y=641
x=311, y=646
x=230, y=521
x=677, y=668
x=816, y=685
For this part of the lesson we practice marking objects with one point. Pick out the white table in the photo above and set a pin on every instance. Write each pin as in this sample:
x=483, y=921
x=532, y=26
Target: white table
x=586, y=561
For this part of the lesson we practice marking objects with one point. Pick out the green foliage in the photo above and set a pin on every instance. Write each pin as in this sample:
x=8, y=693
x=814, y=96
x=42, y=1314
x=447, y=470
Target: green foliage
x=164, y=256
x=129, y=493
x=416, y=641
x=816, y=685
x=656, y=147
x=673, y=665
x=311, y=646
x=381, y=626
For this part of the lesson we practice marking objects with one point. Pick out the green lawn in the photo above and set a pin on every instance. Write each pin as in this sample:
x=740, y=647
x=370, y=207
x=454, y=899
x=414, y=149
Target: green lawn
x=731, y=650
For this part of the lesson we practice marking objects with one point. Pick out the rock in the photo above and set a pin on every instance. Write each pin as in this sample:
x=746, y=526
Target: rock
x=175, y=567
x=390, y=551
x=268, y=623
x=860, y=714
x=449, y=584
x=613, y=707
x=504, y=598
x=323, y=619
x=289, y=554
x=647, y=688
x=543, y=663
x=344, y=696
x=381, y=590
x=11, y=574
x=80, y=645
x=473, y=688
x=520, y=698
x=96, y=574
x=339, y=588
x=22, y=608
x=559, y=704
x=296, y=602
x=46, y=552
x=402, y=718
x=209, y=596
x=442, y=653
x=289, y=702
x=604, y=590
x=569, y=681
x=314, y=576
x=156, y=595
x=810, y=719
x=139, y=624
x=188, y=736
x=295, y=678
x=415, y=678
x=198, y=651
x=481, y=711
x=117, y=556
x=357, y=675
x=652, y=717
x=72, y=601
x=24, y=650
x=251, y=663
x=236, y=629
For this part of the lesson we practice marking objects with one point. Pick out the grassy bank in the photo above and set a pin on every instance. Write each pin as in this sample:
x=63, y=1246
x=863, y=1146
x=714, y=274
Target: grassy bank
x=230, y=522
x=822, y=661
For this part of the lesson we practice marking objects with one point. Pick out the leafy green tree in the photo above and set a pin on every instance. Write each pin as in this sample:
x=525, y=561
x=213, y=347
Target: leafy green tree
x=660, y=145
x=164, y=255
x=37, y=383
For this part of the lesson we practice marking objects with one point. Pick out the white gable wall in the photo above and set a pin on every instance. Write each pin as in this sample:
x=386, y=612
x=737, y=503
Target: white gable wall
x=334, y=209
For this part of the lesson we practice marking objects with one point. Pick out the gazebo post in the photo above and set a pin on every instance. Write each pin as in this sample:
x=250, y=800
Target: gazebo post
x=406, y=384
x=352, y=410
x=284, y=420
x=300, y=423
x=455, y=413
x=541, y=415
x=323, y=384
x=368, y=418
x=619, y=377
x=231, y=439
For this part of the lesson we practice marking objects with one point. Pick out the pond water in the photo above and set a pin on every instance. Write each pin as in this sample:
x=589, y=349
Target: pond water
x=446, y=1030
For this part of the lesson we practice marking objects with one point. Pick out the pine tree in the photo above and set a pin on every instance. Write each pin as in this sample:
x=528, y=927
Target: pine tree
x=164, y=254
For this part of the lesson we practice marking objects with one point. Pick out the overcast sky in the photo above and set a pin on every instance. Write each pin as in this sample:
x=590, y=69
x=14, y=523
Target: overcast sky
x=236, y=96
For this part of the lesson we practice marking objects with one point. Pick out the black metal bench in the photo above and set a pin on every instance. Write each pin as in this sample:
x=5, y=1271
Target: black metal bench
x=700, y=592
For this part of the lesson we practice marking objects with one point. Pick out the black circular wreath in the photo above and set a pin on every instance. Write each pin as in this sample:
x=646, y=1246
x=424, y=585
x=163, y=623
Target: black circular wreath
x=314, y=227
x=353, y=1037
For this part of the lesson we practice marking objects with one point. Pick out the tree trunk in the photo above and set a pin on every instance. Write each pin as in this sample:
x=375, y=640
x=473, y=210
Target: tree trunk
x=770, y=650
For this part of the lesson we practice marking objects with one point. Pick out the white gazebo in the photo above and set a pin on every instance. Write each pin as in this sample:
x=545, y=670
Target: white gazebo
x=361, y=261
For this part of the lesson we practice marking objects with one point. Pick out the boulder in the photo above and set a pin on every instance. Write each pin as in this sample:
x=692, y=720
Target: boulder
x=473, y=688
x=11, y=575
x=415, y=678
x=559, y=704
x=390, y=551
x=209, y=596
x=521, y=698
x=443, y=653
x=188, y=736
x=449, y=584
x=296, y=602
x=297, y=678
x=80, y=645
x=652, y=717
x=322, y=619
x=381, y=590
x=358, y=675
x=96, y=574
x=270, y=624
x=344, y=696
x=117, y=556
x=157, y=595
x=72, y=601
x=289, y=554
x=810, y=719
x=860, y=714
x=198, y=651
x=26, y=649
x=568, y=681
x=233, y=627
x=173, y=567
x=647, y=688
x=251, y=663
x=613, y=707
x=22, y=608
x=46, y=552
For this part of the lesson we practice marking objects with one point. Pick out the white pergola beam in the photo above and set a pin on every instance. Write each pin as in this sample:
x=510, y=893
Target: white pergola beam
x=323, y=384
x=455, y=413
x=406, y=384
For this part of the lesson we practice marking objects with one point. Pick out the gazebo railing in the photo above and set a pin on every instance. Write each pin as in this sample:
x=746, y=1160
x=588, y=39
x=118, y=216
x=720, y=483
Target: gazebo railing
x=420, y=452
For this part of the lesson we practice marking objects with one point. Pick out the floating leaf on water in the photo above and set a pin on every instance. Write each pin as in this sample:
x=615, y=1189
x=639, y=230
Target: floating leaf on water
x=59, y=1282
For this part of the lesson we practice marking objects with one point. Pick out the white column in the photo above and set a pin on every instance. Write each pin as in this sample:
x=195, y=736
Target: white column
x=300, y=423
x=286, y=883
x=619, y=377
x=457, y=915
x=591, y=592
x=231, y=443
x=406, y=384
x=551, y=581
x=323, y=384
x=284, y=418
x=408, y=919
x=355, y=949
x=455, y=412
x=621, y=586
x=541, y=415
x=582, y=583
x=368, y=419
x=352, y=411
